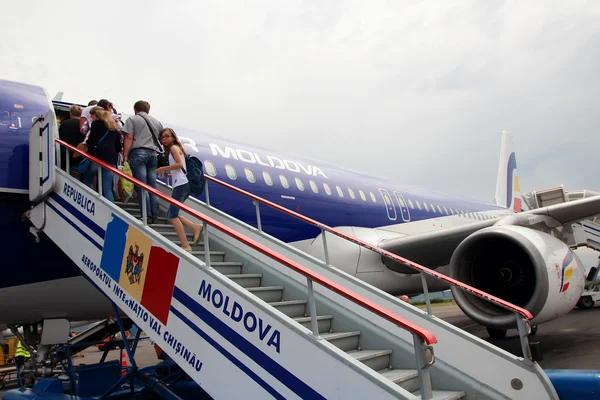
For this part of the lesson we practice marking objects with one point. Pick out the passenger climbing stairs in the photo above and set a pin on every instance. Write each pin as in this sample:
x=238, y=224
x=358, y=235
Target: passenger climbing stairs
x=245, y=314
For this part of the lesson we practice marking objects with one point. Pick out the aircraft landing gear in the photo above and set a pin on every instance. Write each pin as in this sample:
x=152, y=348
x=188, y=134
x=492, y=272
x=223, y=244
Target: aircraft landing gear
x=496, y=333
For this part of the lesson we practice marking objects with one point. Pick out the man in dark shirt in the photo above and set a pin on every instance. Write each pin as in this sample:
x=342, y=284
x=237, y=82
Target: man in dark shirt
x=70, y=133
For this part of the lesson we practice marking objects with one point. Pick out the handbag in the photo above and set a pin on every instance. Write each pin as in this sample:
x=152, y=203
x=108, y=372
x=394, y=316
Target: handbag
x=162, y=158
x=84, y=165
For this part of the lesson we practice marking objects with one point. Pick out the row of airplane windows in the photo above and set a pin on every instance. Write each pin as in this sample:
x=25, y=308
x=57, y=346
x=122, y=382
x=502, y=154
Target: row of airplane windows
x=251, y=177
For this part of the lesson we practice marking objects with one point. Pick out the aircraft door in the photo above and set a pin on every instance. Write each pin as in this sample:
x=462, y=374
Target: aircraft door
x=403, y=207
x=389, y=204
x=41, y=156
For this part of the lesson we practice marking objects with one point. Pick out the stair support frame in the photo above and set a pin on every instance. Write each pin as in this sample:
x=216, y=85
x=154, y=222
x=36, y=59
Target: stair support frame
x=423, y=364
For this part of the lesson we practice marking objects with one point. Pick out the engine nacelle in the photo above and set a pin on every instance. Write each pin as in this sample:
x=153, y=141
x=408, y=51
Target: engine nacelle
x=528, y=268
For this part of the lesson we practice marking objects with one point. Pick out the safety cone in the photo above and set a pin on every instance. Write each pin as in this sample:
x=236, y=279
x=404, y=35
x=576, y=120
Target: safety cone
x=124, y=363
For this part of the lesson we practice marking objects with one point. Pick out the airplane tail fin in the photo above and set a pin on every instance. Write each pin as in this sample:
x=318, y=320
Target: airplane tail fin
x=508, y=188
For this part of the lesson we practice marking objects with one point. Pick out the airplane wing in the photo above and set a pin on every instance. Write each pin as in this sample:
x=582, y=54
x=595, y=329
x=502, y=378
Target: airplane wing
x=435, y=248
x=571, y=211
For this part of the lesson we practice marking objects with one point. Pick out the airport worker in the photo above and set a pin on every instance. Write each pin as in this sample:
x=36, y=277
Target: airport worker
x=21, y=355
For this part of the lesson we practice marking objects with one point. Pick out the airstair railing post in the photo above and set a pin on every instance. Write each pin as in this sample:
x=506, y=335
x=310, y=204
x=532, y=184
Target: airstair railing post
x=206, y=191
x=258, y=223
x=144, y=210
x=68, y=161
x=99, y=180
x=524, y=329
x=312, y=308
x=206, y=246
x=323, y=233
x=426, y=293
x=424, y=358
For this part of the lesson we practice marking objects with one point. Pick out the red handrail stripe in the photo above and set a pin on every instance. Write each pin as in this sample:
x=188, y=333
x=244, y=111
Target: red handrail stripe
x=425, y=334
x=479, y=293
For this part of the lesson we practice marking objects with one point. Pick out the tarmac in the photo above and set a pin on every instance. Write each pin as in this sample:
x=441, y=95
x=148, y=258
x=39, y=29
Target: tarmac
x=568, y=342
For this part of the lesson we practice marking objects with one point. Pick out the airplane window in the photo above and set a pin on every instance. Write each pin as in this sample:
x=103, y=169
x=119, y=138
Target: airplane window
x=339, y=191
x=446, y=211
x=439, y=209
x=418, y=204
x=313, y=186
x=327, y=189
x=351, y=193
x=410, y=203
x=373, y=198
x=402, y=202
x=267, y=178
x=432, y=207
x=426, y=207
x=250, y=175
x=231, y=172
x=362, y=195
x=387, y=200
x=299, y=184
x=210, y=168
x=451, y=211
x=284, y=181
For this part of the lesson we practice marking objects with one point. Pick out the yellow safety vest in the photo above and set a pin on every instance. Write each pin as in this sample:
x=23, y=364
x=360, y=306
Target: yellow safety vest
x=22, y=351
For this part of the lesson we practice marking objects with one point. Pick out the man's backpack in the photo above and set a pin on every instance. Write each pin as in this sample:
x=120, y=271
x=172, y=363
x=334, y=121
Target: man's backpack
x=195, y=175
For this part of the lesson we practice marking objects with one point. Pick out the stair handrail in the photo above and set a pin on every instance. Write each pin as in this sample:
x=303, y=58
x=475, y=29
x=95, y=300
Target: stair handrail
x=467, y=288
x=425, y=335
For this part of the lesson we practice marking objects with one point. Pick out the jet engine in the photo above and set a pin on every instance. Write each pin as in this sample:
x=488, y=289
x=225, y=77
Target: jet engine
x=528, y=268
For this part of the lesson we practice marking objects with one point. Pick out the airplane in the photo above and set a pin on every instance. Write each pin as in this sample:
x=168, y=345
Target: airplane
x=514, y=254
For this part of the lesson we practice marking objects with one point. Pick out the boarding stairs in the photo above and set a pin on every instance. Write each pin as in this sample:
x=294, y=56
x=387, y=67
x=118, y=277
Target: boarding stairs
x=582, y=233
x=247, y=315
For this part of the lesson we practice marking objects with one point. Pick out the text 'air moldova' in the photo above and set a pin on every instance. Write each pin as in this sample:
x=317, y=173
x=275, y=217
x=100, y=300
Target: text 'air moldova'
x=271, y=161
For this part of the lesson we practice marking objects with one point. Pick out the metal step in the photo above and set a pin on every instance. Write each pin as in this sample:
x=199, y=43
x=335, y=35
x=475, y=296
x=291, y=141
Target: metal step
x=172, y=233
x=125, y=206
x=160, y=220
x=343, y=340
x=215, y=256
x=406, y=378
x=443, y=395
x=163, y=228
x=246, y=280
x=291, y=308
x=374, y=359
x=267, y=293
x=225, y=267
x=323, y=322
x=194, y=246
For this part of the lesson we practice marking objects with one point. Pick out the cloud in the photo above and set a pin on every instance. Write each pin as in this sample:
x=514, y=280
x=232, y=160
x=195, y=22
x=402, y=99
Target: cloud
x=411, y=91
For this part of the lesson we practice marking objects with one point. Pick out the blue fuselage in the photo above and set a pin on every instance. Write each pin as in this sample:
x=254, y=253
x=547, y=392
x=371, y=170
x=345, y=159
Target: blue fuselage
x=317, y=190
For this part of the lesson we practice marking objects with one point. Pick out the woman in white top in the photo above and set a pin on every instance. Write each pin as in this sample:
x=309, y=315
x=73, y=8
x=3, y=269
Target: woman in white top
x=181, y=186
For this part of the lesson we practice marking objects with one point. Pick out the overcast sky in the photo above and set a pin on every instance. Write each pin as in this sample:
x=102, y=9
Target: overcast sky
x=418, y=92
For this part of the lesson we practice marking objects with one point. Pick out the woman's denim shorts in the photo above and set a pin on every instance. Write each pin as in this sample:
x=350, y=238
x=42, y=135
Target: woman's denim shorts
x=180, y=193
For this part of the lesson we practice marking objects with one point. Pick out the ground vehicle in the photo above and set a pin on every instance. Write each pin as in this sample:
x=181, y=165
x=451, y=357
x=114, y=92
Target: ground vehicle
x=591, y=296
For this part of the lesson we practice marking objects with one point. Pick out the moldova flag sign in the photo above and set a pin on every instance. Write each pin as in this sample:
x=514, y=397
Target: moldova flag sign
x=146, y=272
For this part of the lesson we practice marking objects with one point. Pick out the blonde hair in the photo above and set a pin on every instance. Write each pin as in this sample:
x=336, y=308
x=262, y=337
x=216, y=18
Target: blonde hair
x=75, y=110
x=106, y=117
